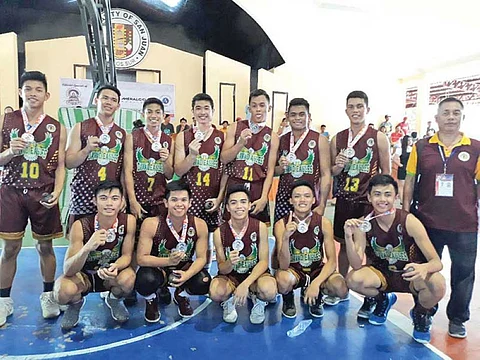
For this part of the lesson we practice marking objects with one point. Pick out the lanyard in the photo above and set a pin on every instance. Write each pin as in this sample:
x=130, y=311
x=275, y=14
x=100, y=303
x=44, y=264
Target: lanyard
x=180, y=239
x=29, y=128
x=445, y=158
x=105, y=129
x=351, y=142
x=371, y=217
x=240, y=235
x=150, y=136
x=294, y=147
x=256, y=127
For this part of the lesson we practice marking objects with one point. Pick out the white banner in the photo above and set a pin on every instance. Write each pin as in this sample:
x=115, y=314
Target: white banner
x=76, y=93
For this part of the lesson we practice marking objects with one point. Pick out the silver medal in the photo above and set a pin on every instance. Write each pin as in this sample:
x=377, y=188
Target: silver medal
x=291, y=157
x=302, y=227
x=238, y=245
x=28, y=137
x=365, y=226
x=181, y=247
x=104, y=138
x=110, y=236
x=156, y=146
x=350, y=153
x=199, y=135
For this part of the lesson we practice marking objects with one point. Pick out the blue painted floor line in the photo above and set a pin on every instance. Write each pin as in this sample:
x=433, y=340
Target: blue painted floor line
x=338, y=335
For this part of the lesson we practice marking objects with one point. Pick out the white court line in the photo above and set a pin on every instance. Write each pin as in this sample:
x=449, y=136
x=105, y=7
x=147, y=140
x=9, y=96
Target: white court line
x=111, y=345
x=405, y=324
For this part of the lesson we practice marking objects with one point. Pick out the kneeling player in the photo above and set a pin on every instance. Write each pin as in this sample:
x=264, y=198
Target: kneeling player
x=401, y=255
x=98, y=257
x=166, y=251
x=300, y=239
x=242, y=254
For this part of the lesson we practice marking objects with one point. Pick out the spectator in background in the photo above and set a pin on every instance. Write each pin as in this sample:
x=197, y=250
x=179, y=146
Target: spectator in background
x=167, y=127
x=383, y=129
x=404, y=125
x=387, y=124
x=224, y=127
x=371, y=126
x=182, y=126
x=324, y=132
x=414, y=136
x=430, y=132
x=407, y=144
x=397, y=135
x=8, y=109
x=430, y=128
x=284, y=127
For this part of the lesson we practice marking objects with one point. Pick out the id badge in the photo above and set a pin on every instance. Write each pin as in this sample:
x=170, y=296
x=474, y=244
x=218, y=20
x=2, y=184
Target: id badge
x=444, y=185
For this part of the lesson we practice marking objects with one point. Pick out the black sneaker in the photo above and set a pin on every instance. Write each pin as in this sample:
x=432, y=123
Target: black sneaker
x=385, y=302
x=316, y=310
x=288, y=308
x=152, y=314
x=367, y=308
x=457, y=330
x=422, y=323
x=164, y=296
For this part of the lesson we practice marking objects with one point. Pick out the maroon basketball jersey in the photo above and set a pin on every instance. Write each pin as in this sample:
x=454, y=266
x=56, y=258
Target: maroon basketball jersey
x=104, y=163
x=104, y=254
x=353, y=180
x=393, y=249
x=251, y=162
x=306, y=250
x=204, y=176
x=164, y=241
x=35, y=166
x=148, y=171
x=306, y=167
x=250, y=240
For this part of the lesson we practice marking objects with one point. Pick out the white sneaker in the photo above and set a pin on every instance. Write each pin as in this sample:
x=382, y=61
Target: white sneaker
x=6, y=309
x=334, y=300
x=257, y=315
x=50, y=308
x=229, y=312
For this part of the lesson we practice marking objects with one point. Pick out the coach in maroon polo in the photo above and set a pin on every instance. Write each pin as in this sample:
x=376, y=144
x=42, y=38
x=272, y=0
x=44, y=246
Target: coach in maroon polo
x=448, y=164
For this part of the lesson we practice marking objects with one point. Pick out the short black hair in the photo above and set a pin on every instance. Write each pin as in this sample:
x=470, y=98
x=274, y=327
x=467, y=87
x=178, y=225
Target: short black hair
x=108, y=185
x=34, y=76
x=323, y=126
x=224, y=121
x=299, y=102
x=109, y=87
x=153, y=100
x=298, y=183
x=202, y=97
x=177, y=185
x=450, y=99
x=183, y=119
x=237, y=188
x=382, y=180
x=258, y=92
x=358, y=94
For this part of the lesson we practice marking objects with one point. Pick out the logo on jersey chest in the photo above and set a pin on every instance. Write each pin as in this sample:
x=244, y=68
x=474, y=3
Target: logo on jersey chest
x=251, y=156
x=105, y=155
x=206, y=162
x=163, y=252
x=150, y=166
x=300, y=167
x=246, y=263
x=305, y=256
x=356, y=166
x=106, y=256
x=34, y=150
x=389, y=252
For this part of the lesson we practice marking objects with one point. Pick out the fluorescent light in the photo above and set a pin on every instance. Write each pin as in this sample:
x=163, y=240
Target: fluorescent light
x=172, y=3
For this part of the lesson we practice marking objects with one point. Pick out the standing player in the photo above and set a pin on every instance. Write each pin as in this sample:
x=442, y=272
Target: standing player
x=396, y=244
x=172, y=251
x=357, y=154
x=241, y=245
x=33, y=155
x=98, y=257
x=303, y=154
x=301, y=237
x=95, y=151
x=250, y=153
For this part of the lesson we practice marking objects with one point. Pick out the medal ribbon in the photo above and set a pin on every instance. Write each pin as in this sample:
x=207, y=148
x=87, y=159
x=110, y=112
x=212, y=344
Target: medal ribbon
x=351, y=143
x=445, y=158
x=195, y=129
x=180, y=239
x=304, y=221
x=150, y=136
x=29, y=128
x=240, y=235
x=371, y=217
x=113, y=228
x=258, y=127
x=294, y=147
x=105, y=129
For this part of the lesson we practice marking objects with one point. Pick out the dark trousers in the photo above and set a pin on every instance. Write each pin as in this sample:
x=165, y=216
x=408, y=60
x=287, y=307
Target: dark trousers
x=463, y=253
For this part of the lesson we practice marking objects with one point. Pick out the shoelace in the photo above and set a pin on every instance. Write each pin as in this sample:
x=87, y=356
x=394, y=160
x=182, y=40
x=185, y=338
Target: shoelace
x=421, y=322
x=382, y=306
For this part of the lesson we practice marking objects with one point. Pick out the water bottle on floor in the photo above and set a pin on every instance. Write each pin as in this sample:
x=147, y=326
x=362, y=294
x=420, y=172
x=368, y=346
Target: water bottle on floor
x=299, y=329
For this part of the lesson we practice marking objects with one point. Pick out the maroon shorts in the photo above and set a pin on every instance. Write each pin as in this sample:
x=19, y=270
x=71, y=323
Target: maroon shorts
x=234, y=280
x=345, y=210
x=304, y=278
x=19, y=205
x=393, y=281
